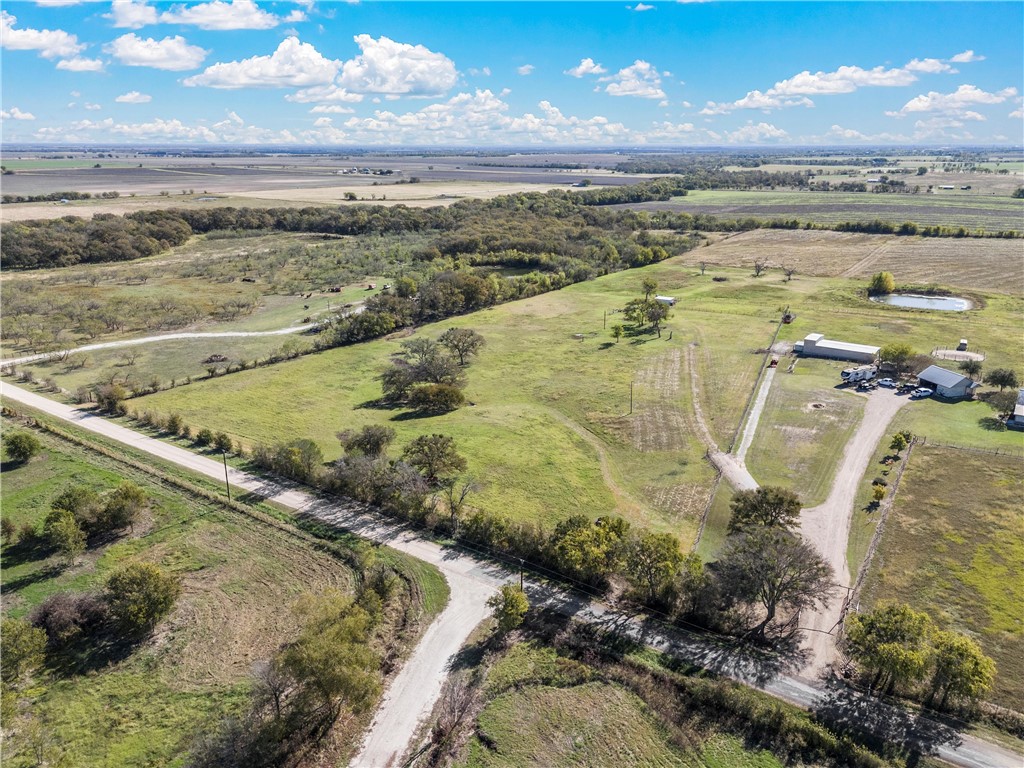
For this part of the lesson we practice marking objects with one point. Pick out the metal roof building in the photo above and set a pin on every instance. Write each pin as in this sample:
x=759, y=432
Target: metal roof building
x=947, y=383
x=816, y=345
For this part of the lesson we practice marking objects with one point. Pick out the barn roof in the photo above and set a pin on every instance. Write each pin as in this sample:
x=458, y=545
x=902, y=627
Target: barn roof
x=942, y=377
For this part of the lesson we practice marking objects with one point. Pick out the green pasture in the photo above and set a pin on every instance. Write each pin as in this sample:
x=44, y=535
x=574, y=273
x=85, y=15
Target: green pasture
x=954, y=546
x=239, y=581
x=797, y=445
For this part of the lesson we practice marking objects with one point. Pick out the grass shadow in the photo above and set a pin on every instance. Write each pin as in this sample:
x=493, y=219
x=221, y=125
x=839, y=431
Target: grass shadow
x=92, y=652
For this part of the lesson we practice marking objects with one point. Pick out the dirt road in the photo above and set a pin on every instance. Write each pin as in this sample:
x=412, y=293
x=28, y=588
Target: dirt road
x=755, y=414
x=827, y=526
x=414, y=691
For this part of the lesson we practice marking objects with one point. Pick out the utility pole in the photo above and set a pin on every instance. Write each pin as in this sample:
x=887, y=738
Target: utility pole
x=224, y=455
x=605, y=325
x=631, y=397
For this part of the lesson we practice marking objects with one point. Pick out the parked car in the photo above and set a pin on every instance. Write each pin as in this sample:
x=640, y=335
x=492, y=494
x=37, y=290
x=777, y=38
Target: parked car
x=922, y=392
x=887, y=382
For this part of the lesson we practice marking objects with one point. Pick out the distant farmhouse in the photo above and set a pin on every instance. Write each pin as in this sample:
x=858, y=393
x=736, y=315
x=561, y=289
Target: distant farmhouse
x=816, y=345
x=947, y=383
x=1016, y=420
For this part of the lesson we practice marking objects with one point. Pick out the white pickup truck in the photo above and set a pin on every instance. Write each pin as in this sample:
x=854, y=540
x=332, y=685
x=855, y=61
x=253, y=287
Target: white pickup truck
x=862, y=373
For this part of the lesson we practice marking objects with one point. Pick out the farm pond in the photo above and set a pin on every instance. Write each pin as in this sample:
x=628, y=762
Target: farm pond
x=916, y=301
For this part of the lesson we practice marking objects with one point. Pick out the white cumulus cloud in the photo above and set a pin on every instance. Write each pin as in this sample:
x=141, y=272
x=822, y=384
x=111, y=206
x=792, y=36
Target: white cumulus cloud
x=640, y=7
x=15, y=114
x=132, y=14
x=233, y=14
x=331, y=109
x=526, y=69
x=385, y=66
x=50, y=43
x=640, y=79
x=80, y=64
x=956, y=103
x=171, y=53
x=966, y=57
x=755, y=134
x=92, y=107
x=586, y=67
x=293, y=64
x=134, y=97
x=324, y=94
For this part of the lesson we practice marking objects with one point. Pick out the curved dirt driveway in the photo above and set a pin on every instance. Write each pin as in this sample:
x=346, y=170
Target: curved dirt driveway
x=827, y=526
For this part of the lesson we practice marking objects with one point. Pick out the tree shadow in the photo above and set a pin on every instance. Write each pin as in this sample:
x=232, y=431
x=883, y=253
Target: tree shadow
x=606, y=345
x=47, y=572
x=10, y=464
x=92, y=652
x=413, y=415
x=992, y=424
x=849, y=712
x=379, y=404
x=25, y=551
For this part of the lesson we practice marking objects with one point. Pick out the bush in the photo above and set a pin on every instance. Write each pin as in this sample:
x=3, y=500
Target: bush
x=139, y=595
x=66, y=616
x=222, y=442
x=21, y=446
x=436, y=398
x=204, y=436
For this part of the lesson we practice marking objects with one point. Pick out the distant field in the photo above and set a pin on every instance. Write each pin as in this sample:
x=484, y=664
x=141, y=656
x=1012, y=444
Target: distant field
x=953, y=208
x=989, y=265
x=954, y=546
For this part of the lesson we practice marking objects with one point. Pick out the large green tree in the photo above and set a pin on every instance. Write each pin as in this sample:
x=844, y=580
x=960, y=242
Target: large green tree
x=1002, y=378
x=773, y=569
x=960, y=669
x=23, y=649
x=464, y=343
x=897, y=353
x=769, y=506
x=882, y=283
x=890, y=643
x=434, y=456
x=652, y=562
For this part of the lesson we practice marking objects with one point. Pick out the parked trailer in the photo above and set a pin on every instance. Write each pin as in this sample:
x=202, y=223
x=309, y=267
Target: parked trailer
x=861, y=373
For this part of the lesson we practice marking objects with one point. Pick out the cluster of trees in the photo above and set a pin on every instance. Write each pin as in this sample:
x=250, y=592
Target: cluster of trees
x=330, y=670
x=645, y=311
x=56, y=197
x=105, y=237
x=428, y=375
x=898, y=649
x=80, y=514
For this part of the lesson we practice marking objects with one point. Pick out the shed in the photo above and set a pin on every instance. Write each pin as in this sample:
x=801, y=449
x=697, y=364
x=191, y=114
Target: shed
x=947, y=383
x=670, y=300
x=1016, y=420
x=816, y=345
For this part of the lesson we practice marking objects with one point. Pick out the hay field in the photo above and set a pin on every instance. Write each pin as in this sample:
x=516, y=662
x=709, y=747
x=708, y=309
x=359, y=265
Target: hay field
x=422, y=195
x=983, y=264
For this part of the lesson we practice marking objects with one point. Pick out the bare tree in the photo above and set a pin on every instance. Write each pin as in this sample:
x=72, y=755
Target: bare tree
x=455, y=494
x=760, y=265
x=703, y=266
x=789, y=271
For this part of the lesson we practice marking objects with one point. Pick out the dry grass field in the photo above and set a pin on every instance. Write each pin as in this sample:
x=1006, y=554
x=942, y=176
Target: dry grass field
x=989, y=265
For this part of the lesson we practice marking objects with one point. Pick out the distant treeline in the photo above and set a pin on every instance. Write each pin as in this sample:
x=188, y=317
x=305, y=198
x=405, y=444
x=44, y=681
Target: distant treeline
x=54, y=197
x=561, y=232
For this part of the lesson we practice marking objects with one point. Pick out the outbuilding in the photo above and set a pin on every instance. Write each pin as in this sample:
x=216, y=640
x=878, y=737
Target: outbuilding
x=1016, y=420
x=669, y=300
x=816, y=345
x=947, y=383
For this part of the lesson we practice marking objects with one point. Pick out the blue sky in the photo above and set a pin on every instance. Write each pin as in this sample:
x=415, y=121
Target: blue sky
x=479, y=73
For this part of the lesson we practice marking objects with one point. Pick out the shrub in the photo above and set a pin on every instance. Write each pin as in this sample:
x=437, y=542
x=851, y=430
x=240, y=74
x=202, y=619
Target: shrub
x=139, y=595
x=65, y=616
x=436, y=398
x=21, y=446
x=222, y=442
x=204, y=436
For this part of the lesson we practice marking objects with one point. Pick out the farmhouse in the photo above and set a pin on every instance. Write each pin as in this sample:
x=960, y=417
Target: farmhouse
x=816, y=345
x=1016, y=420
x=947, y=383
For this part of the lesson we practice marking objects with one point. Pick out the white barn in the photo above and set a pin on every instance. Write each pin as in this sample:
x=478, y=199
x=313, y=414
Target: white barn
x=947, y=383
x=816, y=345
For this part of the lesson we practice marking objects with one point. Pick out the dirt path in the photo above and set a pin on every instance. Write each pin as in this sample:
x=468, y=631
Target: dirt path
x=412, y=694
x=827, y=526
x=152, y=339
x=868, y=260
x=755, y=415
x=733, y=470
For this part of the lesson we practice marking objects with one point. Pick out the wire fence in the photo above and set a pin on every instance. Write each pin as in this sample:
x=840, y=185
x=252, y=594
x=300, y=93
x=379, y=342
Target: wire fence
x=1001, y=451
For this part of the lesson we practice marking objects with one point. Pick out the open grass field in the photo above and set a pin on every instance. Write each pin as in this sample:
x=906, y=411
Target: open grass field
x=549, y=432
x=988, y=265
x=547, y=711
x=803, y=430
x=954, y=546
x=240, y=579
x=991, y=211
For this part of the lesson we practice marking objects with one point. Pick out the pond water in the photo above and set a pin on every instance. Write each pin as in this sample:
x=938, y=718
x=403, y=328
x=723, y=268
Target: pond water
x=941, y=303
